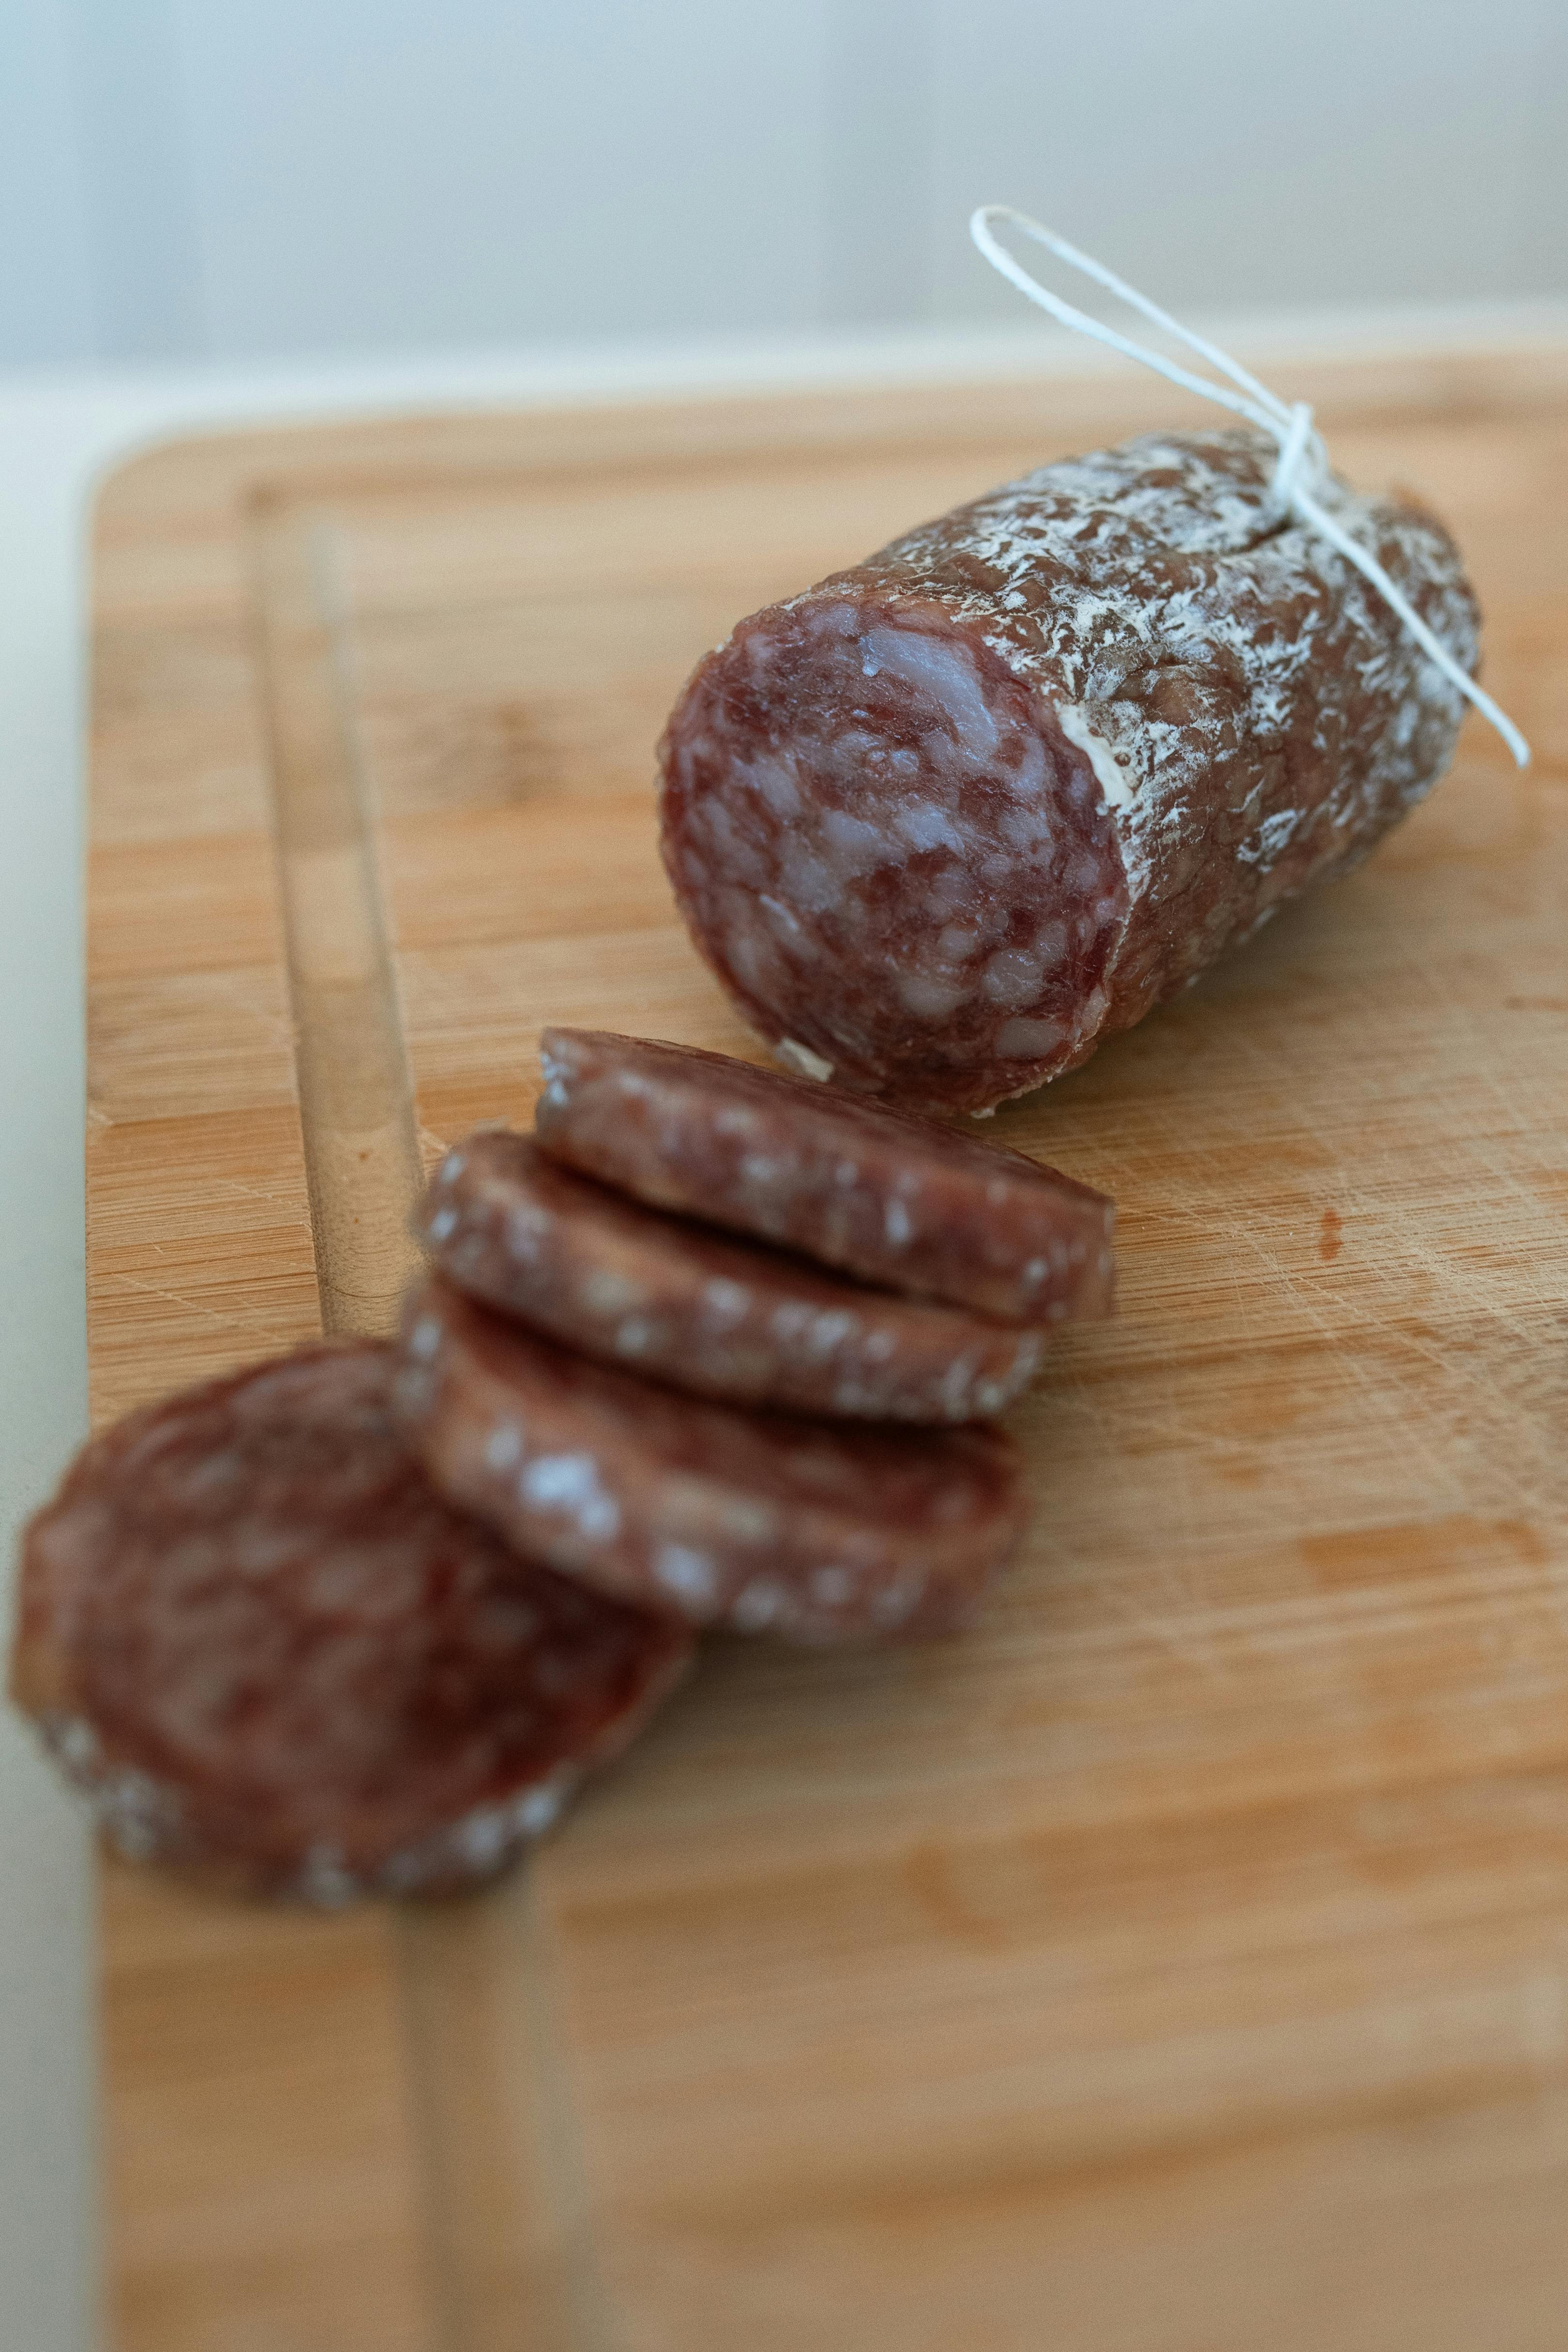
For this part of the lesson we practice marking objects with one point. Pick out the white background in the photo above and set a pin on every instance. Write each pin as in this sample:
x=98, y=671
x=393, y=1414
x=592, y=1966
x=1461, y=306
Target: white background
x=222, y=179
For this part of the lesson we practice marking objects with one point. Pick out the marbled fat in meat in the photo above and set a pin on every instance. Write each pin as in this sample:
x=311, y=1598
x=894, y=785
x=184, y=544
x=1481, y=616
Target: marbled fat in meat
x=683, y=1304
x=893, y=1198
x=251, y=1629
x=764, y=1522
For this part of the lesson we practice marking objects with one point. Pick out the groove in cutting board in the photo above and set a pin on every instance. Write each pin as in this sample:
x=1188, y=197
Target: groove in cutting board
x=356, y=1098
x=510, y=2221
x=507, y=2233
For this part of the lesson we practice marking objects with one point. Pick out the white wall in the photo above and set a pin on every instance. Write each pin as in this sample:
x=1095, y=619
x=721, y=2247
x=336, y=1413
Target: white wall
x=231, y=177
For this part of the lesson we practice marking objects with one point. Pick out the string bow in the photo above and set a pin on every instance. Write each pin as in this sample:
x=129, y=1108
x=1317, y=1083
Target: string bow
x=1303, y=462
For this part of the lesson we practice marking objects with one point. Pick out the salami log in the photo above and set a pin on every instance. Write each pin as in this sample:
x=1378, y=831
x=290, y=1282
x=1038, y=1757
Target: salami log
x=757, y=1521
x=946, y=821
x=690, y=1307
x=895, y=1200
x=252, y=1630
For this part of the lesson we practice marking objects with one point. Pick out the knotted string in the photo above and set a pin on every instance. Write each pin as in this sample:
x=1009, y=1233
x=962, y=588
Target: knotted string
x=1303, y=464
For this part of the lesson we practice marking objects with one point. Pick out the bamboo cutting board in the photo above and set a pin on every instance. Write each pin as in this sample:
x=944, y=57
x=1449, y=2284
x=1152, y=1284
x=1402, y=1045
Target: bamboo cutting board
x=1179, y=1962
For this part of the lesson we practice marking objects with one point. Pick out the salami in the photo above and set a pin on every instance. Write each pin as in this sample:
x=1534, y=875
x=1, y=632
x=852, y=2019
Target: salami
x=252, y=1630
x=944, y=821
x=892, y=1199
x=686, y=1305
x=757, y=1521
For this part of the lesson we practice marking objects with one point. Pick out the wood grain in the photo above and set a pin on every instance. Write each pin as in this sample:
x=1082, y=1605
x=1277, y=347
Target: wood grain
x=1180, y=1962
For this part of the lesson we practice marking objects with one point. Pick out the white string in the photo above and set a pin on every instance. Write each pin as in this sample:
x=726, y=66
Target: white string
x=1303, y=462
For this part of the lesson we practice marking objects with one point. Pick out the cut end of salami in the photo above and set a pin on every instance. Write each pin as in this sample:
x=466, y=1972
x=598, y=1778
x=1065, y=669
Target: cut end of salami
x=889, y=1198
x=755, y=1521
x=270, y=1652
x=685, y=1304
x=914, y=879
x=943, y=822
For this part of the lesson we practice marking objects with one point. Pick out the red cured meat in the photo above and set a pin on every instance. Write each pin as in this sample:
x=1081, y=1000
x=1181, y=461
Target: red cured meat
x=251, y=1629
x=895, y=1200
x=758, y=1521
x=690, y=1307
x=946, y=821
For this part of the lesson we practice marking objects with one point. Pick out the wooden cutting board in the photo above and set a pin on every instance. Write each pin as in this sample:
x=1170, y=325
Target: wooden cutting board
x=1179, y=1962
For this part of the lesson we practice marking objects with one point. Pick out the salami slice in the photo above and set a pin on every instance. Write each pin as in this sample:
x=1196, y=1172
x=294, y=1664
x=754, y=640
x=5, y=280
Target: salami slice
x=892, y=1199
x=688, y=1306
x=252, y=1630
x=946, y=821
x=756, y=1522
